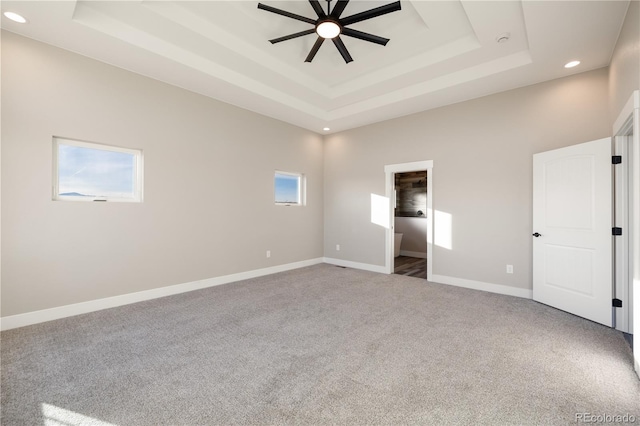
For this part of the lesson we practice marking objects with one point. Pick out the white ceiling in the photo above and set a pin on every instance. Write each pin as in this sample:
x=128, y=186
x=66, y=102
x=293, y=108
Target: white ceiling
x=441, y=52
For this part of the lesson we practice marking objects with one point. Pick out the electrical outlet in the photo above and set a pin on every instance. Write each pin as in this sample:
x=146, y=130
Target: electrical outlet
x=509, y=269
x=337, y=247
x=268, y=254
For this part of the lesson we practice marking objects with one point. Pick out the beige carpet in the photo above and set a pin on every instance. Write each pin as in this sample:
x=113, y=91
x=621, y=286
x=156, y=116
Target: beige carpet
x=318, y=345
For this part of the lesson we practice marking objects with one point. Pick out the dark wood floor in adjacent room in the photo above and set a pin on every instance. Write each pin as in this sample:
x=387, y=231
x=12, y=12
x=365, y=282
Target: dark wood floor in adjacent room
x=410, y=266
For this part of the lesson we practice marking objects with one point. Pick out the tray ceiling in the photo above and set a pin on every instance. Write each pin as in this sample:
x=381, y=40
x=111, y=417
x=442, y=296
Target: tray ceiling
x=441, y=52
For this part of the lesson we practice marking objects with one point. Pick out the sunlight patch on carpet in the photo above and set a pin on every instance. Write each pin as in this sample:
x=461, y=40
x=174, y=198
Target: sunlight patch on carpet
x=56, y=416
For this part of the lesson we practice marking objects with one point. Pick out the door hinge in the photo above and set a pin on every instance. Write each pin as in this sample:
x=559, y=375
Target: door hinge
x=617, y=303
x=616, y=159
x=616, y=231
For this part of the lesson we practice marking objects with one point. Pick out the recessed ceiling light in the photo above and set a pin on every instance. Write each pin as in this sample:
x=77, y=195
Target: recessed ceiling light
x=326, y=129
x=572, y=64
x=15, y=17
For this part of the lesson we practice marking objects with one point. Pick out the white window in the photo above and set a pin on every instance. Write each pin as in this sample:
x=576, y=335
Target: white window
x=289, y=189
x=84, y=171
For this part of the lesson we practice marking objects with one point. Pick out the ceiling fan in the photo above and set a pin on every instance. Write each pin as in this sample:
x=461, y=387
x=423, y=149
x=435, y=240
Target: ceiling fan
x=330, y=25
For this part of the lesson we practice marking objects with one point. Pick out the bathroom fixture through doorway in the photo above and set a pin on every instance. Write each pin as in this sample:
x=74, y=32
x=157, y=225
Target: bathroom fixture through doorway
x=390, y=171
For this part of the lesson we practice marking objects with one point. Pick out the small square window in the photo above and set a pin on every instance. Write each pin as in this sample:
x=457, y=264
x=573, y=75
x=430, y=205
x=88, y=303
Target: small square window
x=85, y=171
x=289, y=189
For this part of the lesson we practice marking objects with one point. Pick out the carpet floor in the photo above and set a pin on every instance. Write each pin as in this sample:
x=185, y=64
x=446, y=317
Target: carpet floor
x=318, y=345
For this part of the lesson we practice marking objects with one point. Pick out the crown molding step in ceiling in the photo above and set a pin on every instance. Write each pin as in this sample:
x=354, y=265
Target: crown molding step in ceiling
x=389, y=59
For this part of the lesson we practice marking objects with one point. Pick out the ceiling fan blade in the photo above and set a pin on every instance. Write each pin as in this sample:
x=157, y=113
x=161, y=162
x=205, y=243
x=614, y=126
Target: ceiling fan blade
x=365, y=36
x=294, y=35
x=371, y=13
x=318, y=8
x=342, y=49
x=339, y=8
x=287, y=14
x=314, y=49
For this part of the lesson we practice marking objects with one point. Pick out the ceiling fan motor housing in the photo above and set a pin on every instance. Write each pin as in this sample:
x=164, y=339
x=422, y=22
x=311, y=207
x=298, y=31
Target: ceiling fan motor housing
x=328, y=28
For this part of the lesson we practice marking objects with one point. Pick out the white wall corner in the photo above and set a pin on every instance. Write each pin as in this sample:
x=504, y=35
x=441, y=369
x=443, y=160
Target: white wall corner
x=36, y=317
x=482, y=286
x=632, y=103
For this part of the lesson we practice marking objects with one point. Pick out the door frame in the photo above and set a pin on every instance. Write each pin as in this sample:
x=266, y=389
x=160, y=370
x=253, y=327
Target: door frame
x=390, y=171
x=628, y=123
x=623, y=272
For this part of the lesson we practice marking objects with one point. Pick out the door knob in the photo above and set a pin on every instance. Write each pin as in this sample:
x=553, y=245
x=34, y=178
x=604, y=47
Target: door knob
x=537, y=235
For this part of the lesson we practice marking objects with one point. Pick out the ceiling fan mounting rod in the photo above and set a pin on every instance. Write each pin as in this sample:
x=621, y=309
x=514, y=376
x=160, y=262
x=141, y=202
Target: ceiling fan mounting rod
x=328, y=7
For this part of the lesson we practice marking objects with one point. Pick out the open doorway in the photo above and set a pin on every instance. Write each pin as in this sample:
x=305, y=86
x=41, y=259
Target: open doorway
x=409, y=188
x=410, y=224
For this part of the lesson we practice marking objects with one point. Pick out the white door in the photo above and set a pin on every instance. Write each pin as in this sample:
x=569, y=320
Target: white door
x=572, y=248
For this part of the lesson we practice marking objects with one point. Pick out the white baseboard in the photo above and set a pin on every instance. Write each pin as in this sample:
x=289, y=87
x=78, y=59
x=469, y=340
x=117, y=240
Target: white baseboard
x=479, y=285
x=355, y=265
x=413, y=254
x=442, y=279
x=30, y=318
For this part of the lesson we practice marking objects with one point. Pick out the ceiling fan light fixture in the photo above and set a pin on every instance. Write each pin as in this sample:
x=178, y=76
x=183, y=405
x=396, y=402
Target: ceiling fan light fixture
x=331, y=25
x=328, y=29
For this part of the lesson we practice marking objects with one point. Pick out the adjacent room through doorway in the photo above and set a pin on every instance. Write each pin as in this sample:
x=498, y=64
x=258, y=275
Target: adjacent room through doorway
x=410, y=224
x=409, y=189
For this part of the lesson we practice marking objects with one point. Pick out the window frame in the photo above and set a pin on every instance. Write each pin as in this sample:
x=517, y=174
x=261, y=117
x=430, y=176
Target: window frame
x=137, y=173
x=302, y=201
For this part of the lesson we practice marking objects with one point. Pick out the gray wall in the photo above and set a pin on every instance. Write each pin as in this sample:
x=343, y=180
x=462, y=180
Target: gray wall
x=624, y=71
x=482, y=151
x=208, y=209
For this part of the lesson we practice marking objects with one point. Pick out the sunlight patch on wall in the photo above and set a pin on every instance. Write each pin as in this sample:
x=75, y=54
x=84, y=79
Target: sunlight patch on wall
x=443, y=228
x=56, y=416
x=380, y=210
